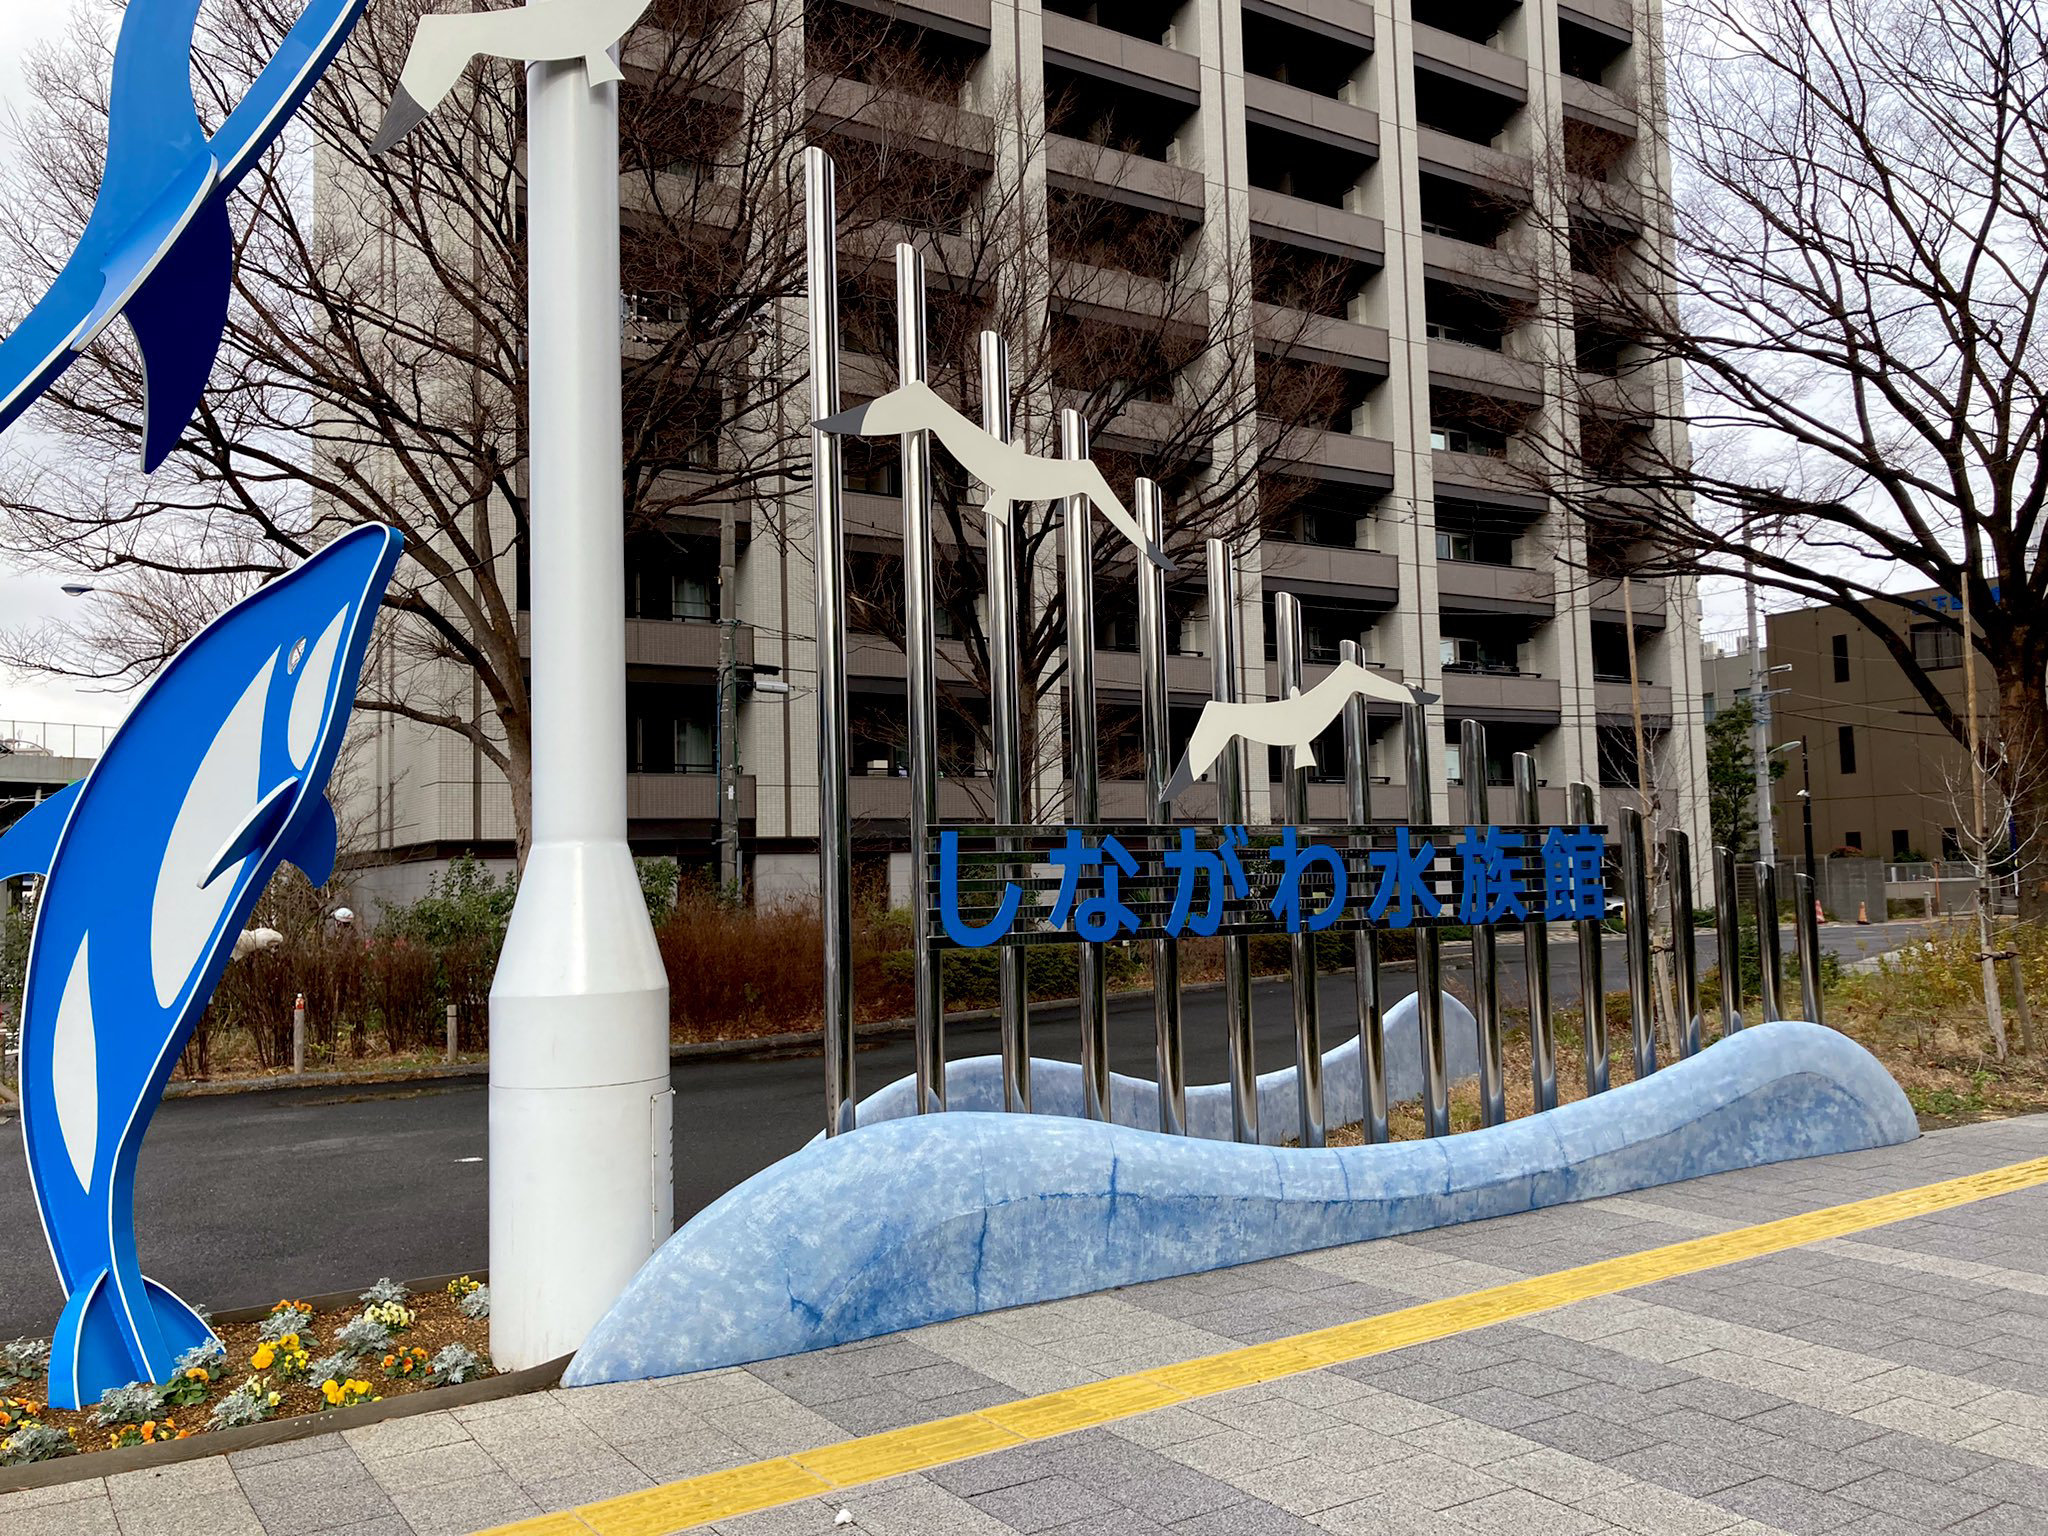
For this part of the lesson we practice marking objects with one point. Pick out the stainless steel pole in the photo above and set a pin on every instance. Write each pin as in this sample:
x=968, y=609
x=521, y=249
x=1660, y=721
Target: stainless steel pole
x=1685, y=956
x=1770, y=957
x=1308, y=1023
x=1536, y=955
x=1493, y=1100
x=920, y=603
x=1429, y=997
x=835, y=829
x=1079, y=549
x=1583, y=807
x=1168, y=1058
x=1226, y=646
x=1806, y=924
x=1635, y=900
x=1728, y=940
x=1006, y=727
x=1365, y=942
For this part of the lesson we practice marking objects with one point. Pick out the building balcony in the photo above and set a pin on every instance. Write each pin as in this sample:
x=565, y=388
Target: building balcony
x=1503, y=807
x=1594, y=104
x=1474, y=64
x=886, y=797
x=1317, y=227
x=878, y=658
x=1305, y=338
x=1345, y=21
x=1648, y=601
x=1614, y=19
x=692, y=644
x=1304, y=115
x=1117, y=176
x=1331, y=570
x=1487, y=268
x=1338, y=457
x=1122, y=60
x=1188, y=677
x=1495, y=481
x=1614, y=703
x=1329, y=803
x=1125, y=800
x=1518, y=696
x=1483, y=371
x=1467, y=586
x=1475, y=165
x=967, y=19
x=682, y=797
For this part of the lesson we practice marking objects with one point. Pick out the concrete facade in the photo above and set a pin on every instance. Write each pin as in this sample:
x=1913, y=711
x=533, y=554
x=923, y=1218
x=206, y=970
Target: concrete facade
x=1416, y=156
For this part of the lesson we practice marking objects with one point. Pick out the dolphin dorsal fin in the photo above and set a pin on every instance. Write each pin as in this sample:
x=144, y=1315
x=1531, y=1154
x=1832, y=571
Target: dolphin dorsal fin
x=31, y=843
x=316, y=842
x=258, y=829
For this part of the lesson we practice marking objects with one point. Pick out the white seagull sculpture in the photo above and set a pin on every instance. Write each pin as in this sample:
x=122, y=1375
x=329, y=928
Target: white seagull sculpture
x=1293, y=722
x=551, y=29
x=1011, y=474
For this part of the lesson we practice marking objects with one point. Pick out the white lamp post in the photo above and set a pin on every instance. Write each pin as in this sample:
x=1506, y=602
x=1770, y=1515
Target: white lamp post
x=580, y=1111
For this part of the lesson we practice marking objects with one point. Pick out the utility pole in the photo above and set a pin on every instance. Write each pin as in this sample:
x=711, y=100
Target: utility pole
x=728, y=705
x=1760, y=732
x=1806, y=811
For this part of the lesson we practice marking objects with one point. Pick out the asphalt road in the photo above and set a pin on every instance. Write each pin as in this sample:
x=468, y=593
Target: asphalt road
x=242, y=1199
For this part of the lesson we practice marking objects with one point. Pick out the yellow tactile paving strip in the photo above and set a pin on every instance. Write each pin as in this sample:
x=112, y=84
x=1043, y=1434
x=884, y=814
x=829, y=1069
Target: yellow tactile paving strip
x=851, y=1463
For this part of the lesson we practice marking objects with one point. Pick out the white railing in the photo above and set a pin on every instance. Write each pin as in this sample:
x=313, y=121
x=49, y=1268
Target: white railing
x=54, y=738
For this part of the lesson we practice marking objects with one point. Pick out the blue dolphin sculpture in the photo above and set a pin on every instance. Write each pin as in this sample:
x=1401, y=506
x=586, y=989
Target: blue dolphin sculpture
x=152, y=864
x=157, y=247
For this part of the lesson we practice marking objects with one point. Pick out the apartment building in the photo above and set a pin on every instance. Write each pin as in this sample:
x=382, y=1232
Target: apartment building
x=1410, y=147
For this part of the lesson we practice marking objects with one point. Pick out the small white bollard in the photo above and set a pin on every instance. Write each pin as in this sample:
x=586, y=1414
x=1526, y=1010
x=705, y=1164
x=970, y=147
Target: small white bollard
x=299, y=1036
x=450, y=1053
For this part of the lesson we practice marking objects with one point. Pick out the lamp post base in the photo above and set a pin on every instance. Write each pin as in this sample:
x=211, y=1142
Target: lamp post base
x=581, y=1109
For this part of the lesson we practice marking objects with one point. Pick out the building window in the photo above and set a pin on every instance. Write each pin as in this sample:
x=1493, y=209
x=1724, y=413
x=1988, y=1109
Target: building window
x=1936, y=646
x=689, y=597
x=1951, y=844
x=1902, y=845
x=1841, y=658
x=695, y=752
x=1707, y=705
x=1845, y=740
x=1853, y=840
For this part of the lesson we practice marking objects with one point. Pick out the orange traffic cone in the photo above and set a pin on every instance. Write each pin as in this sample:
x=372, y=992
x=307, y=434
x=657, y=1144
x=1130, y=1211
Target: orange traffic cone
x=1863, y=913
x=1819, y=916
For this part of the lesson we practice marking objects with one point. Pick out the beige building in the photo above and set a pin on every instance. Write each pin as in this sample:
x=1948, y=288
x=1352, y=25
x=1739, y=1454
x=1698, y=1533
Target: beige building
x=1407, y=148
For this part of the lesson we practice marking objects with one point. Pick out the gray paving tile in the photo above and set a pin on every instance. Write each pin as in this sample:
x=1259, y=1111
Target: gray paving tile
x=457, y=1507
x=1928, y=1459
x=1774, y=1502
x=1041, y=1504
x=2000, y=1520
x=1683, y=1469
x=1930, y=1505
x=1247, y=1519
x=1815, y=1426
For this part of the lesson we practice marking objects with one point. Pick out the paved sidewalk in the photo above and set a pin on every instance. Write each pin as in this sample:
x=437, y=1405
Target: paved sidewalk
x=1887, y=1383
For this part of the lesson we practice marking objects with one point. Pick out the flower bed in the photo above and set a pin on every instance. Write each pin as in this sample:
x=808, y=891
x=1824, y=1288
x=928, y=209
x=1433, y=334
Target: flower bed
x=296, y=1360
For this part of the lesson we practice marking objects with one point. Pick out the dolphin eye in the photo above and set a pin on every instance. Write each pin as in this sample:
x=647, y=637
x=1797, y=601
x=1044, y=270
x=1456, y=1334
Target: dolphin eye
x=291, y=662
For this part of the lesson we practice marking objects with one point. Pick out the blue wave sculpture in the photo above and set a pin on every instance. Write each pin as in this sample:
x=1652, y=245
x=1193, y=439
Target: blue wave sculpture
x=157, y=246
x=977, y=1084
x=921, y=1219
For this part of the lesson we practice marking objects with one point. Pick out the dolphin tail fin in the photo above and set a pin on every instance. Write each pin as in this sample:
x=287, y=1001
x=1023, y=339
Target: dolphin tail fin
x=178, y=316
x=316, y=843
x=603, y=68
x=31, y=843
x=94, y=1350
x=1182, y=781
x=89, y=1352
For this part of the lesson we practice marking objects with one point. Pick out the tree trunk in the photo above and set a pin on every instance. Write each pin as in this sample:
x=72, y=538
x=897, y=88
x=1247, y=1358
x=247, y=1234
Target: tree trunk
x=519, y=777
x=2023, y=723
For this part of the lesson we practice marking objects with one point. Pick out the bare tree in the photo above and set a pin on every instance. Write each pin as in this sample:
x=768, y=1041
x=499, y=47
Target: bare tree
x=1850, y=274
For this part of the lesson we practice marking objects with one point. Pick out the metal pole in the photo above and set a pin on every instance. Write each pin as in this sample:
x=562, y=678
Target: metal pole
x=581, y=1110
x=1760, y=732
x=920, y=603
x=1770, y=959
x=1168, y=1058
x=1006, y=735
x=1080, y=574
x=299, y=1035
x=1429, y=1001
x=1308, y=1024
x=1635, y=901
x=1365, y=942
x=1226, y=645
x=1806, y=810
x=1583, y=807
x=1806, y=925
x=1684, y=946
x=454, y=1034
x=835, y=829
x=1493, y=1101
x=1536, y=956
x=1728, y=940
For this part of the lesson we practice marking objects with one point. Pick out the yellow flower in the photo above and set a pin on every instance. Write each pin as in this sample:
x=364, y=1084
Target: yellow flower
x=272, y=1399
x=264, y=1357
x=197, y=1373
